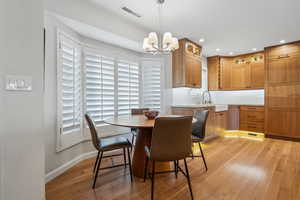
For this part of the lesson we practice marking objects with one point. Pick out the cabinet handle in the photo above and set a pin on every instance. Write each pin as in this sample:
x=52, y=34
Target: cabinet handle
x=252, y=127
x=284, y=56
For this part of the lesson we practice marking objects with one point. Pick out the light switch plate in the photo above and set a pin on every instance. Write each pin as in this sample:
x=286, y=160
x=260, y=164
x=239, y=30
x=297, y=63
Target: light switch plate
x=18, y=83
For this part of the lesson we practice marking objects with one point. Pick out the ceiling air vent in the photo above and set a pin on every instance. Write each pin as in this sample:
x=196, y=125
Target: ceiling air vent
x=131, y=12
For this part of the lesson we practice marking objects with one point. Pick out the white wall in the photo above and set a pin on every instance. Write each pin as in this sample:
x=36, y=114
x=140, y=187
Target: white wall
x=90, y=13
x=183, y=96
x=21, y=117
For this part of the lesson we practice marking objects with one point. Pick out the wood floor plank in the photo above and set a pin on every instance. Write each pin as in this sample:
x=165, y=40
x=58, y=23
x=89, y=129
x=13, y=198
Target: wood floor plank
x=238, y=169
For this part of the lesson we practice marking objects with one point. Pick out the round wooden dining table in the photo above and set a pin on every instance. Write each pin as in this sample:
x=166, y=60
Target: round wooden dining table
x=143, y=139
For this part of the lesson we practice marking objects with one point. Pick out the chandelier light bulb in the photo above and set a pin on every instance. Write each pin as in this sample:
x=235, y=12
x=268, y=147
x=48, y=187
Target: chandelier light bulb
x=152, y=38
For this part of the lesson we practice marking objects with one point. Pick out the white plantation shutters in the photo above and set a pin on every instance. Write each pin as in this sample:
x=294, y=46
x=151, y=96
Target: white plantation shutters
x=128, y=87
x=99, y=86
x=152, y=84
x=69, y=90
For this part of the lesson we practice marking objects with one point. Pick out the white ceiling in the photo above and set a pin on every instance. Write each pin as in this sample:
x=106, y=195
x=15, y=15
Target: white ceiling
x=231, y=25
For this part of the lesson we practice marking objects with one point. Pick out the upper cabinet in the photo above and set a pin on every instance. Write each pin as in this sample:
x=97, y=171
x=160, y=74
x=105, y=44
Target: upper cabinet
x=236, y=73
x=186, y=65
x=213, y=72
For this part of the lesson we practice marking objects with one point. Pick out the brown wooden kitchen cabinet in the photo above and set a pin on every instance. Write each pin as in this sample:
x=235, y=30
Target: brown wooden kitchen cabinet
x=221, y=119
x=240, y=76
x=252, y=118
x=213, y=67
x=236, y=73
x=226, y=73
x=186, y=65
x=283, y=90
x=257, y=74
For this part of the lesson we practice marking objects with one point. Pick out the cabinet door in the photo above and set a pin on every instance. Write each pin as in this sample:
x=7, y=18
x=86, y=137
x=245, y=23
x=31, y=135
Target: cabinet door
x=226, y=65
x=240, y=76
x=277, y=70
x=283, y=123
x=197, y=73
x=284, y=96
x=257, y=74
x=189, y=69
x=192, y=71
x=221, y=122
x=293, y=70
x=213, y=64
x=284, y=69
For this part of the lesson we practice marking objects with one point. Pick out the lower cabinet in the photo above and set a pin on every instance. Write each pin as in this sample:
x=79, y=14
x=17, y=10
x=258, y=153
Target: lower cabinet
x=221, y=119
x=252, y=118
x=283, y=123
x=245, y=118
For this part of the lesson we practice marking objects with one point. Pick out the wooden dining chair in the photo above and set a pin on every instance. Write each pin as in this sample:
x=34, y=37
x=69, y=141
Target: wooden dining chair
x=136, y=111
x=198, y=132
x=171, y=141
x=105, y=145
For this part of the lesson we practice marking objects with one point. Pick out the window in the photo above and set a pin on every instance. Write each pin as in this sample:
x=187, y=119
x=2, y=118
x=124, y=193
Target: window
x=99, y=86
x=128, y=87
x=152, y=84
x=69, y=90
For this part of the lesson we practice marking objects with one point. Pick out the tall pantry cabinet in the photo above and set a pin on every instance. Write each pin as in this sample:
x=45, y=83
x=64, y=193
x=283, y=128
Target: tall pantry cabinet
x=282, y=92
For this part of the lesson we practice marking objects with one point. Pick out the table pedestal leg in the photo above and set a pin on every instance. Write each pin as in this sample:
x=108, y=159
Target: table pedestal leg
x=139, y=155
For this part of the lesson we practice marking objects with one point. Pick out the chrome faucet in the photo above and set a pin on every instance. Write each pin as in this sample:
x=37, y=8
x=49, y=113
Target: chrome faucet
x=203, y=99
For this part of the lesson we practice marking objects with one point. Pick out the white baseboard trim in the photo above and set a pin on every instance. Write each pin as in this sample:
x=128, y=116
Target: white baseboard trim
x=58, y=171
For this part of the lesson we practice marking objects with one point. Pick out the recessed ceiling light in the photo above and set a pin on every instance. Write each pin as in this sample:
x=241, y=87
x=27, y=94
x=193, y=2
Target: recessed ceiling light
x=230, y=53
x=218, y=49
x=254, y=49
x=201, y=40
x=282, y=41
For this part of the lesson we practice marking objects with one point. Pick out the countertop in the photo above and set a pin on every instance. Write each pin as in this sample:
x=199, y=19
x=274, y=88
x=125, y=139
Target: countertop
x=210, y=105
x=193, y=106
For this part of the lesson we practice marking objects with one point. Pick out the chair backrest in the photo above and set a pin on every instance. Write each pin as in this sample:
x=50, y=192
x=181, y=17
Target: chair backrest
x=93, y=130
x=198, y=128
x=171, y=138
x=138, y=111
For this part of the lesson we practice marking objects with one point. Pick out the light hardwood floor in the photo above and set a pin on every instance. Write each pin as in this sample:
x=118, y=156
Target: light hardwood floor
x=238, y=169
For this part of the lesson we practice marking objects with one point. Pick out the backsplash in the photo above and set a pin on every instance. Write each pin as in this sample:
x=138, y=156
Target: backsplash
x=238, y=97
x=182, y=96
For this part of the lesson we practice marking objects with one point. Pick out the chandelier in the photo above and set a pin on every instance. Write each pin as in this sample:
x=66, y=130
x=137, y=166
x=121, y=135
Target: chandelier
x=155, y=43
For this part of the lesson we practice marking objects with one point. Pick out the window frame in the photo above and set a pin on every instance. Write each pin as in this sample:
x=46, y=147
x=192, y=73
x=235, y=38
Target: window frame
x=72, y=138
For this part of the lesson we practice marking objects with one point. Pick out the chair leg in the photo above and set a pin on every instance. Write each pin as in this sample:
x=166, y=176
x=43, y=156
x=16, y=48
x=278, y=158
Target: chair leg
x=202, y=154
x=124, y=154
x=96, y=161
x=146, y=169
x=175, y=168
x=192, y=151
x=152, y=178
x=130, y=167
x=132, y=141
x=188, y=178
x=97, y=171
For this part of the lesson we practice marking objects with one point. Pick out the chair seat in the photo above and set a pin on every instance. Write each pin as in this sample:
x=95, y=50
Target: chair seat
x=196, y=139
x=134, y=131
x=113, y=143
